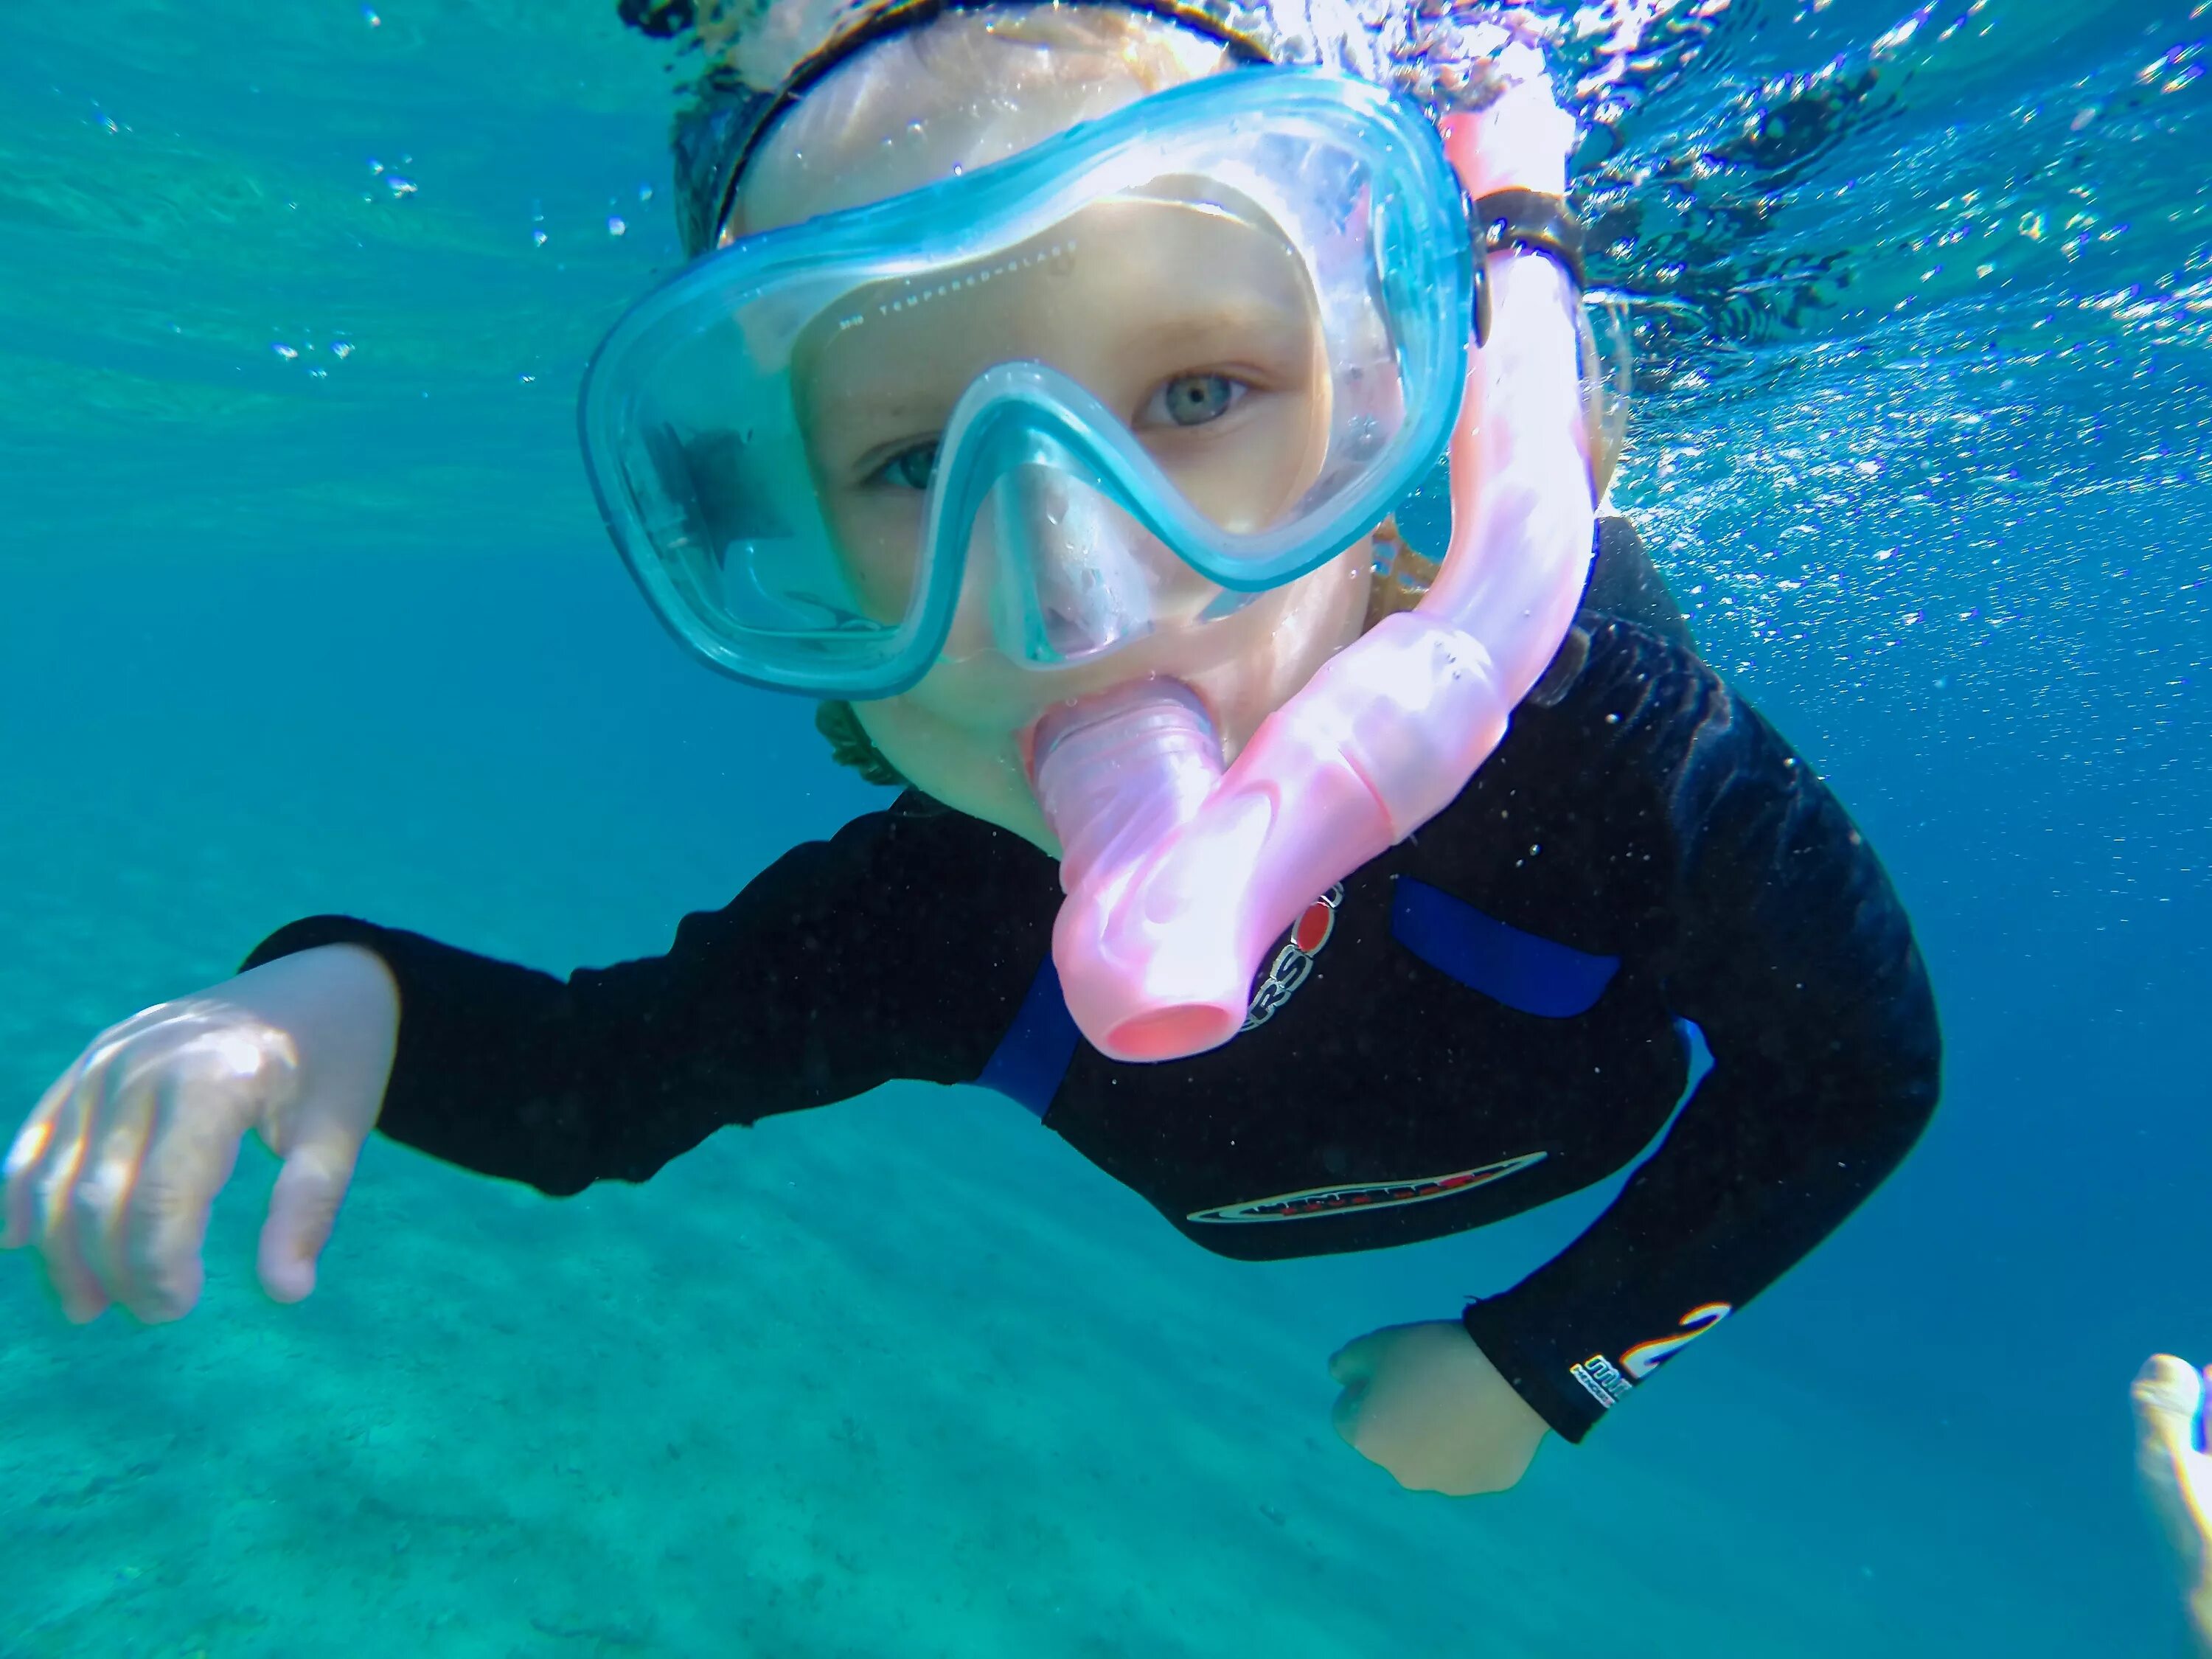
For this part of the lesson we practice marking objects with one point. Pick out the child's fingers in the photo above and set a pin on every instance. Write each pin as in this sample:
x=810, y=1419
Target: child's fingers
x=2176, y=1477
x=27, y=1152
x=199, y=1125
x=50, y=1170
x=2168, y=1393
x=114, y=1149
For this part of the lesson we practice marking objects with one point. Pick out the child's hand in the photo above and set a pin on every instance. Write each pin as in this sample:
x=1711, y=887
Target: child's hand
x=113, y=1176
x=2177, y=1477
x=1424, y=1402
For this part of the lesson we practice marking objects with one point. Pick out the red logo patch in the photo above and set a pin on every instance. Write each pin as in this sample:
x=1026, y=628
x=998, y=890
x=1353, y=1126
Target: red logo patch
x=1315, y=926
x=1295, y=960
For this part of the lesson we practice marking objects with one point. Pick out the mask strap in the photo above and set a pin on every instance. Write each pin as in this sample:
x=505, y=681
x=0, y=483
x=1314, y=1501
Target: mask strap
x=1528, y=219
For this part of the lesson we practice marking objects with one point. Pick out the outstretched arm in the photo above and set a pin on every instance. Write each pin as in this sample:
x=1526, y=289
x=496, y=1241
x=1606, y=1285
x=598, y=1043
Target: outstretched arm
x=899, y=949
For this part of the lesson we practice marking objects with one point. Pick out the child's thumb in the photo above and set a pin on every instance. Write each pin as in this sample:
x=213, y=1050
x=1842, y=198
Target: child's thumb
x=304, y=1208
x=1353, y=1363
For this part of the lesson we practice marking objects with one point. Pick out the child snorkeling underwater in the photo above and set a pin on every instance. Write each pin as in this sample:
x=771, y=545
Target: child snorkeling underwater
x=1036, y=415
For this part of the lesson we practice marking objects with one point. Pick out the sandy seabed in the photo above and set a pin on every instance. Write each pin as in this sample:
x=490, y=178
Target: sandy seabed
x=907, y=1378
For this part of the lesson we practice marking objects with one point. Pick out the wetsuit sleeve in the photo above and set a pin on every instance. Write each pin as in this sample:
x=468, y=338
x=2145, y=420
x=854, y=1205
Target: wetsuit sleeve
x=847, y=963
x=1775, y=930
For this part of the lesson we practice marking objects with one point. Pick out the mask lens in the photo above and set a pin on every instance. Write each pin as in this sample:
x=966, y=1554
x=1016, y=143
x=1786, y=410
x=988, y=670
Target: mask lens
x=1186, y=312
x=738, y=558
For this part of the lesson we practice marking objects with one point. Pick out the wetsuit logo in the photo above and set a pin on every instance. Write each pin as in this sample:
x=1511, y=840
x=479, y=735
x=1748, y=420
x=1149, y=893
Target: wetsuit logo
x=1296, y=959
x=1645, y=1358
x=1608, y=1384
x=1368, y=1195
x=1600, y=1381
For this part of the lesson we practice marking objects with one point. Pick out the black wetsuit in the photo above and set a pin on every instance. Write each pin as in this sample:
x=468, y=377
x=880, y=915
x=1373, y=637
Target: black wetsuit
x=1487, y=1020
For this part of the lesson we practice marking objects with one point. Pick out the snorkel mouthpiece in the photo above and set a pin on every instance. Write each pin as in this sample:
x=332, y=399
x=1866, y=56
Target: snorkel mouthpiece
x=1178, y=879
x=1118, y=776
x=1116, y=773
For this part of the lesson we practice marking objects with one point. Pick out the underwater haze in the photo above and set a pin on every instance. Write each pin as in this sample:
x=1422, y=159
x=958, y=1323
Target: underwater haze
x=307, y=609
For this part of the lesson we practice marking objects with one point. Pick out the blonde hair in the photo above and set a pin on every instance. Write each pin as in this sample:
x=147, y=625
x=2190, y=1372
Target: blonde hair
x=1061, y=42
x=1008, y=52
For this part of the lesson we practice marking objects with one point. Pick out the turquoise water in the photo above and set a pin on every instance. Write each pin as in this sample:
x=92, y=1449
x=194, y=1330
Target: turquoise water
x=295, y=630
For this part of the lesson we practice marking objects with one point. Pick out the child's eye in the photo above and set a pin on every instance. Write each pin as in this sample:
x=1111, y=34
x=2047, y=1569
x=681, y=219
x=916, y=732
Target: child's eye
x=1193, y=400
x=910, y=468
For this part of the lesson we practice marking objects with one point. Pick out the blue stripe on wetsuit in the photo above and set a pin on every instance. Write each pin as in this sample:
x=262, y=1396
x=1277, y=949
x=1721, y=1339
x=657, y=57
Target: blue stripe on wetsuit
x=1535, y=976
x=1038, y=1047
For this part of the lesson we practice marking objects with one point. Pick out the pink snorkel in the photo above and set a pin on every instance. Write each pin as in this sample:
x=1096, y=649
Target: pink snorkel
x=1180, y=876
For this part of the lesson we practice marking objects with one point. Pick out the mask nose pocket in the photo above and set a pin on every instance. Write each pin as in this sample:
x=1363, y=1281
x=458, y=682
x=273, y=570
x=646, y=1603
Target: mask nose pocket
x=1075, y=576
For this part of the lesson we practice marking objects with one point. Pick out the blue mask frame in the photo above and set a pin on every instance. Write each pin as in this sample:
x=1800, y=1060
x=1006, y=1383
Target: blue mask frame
x=1023, y=412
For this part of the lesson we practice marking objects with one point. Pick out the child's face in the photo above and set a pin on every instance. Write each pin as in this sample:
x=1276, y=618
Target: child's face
x=1222, y=381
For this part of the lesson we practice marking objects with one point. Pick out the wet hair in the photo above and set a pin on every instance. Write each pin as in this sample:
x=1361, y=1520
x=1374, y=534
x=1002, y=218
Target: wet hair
x=1010, y=47
x=850, y=745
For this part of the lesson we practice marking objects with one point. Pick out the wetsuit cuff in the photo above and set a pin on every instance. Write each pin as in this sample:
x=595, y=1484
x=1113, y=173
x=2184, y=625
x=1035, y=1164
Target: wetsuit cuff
x=1548, y=1386
x=314, y=934
x=446, y=1004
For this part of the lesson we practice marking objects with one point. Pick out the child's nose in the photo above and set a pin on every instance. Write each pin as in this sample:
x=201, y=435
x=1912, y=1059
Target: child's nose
x=1073, y=575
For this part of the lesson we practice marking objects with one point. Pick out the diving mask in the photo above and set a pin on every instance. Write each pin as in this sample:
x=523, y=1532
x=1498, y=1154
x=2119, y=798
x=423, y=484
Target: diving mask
x=1122, y=380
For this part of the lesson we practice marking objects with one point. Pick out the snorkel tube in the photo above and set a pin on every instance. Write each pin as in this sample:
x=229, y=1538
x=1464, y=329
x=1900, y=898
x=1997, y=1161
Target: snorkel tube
x=1178, y=876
